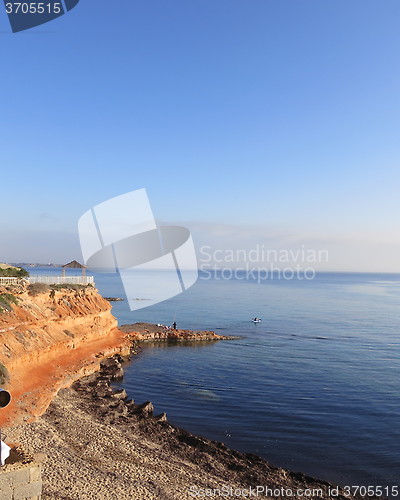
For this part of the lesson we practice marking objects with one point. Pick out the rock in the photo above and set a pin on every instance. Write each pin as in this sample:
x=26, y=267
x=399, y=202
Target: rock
x=109, y=363
x=131, y=406
x=119, y=394
x=118, y=374
x=112, y=368
x=146, y=409
x=122, y=411
x=161, y=418
x=104, y=392
x=119, y=408
x=144, y=332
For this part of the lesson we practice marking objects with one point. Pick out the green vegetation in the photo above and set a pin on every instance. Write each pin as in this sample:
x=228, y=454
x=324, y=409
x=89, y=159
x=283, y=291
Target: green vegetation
x=38, y=288
x=14, y=272
x=66, y=286
x=6, y=299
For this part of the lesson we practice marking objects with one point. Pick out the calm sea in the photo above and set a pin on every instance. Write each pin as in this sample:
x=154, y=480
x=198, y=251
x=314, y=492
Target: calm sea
x=314, y=387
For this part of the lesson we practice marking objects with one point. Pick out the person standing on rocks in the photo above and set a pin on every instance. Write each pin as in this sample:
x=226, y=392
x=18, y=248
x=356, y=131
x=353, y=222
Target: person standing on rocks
x=174, y=325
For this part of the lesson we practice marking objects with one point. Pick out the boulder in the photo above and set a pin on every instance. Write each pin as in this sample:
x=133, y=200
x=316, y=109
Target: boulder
x=146, y=409
x=117, y=374
x=121, y=394
x=161, y=418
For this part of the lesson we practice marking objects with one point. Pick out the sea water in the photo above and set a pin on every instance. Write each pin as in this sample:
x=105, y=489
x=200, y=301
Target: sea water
x=314, y=387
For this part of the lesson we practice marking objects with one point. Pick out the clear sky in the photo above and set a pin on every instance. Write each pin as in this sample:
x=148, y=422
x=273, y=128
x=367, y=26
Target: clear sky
x=271, y=122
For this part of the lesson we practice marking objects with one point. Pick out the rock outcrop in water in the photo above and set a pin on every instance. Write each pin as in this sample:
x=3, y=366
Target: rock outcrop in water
x=149, y=332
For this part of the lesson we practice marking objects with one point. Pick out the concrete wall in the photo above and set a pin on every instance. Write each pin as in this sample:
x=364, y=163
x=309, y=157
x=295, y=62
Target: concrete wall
x=21, y=481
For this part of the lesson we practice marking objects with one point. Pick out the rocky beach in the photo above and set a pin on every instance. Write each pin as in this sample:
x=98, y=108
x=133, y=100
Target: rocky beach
x=99, y=445
x=60, y=351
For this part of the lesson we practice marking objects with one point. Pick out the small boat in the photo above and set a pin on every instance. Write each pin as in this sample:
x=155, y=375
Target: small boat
x=256, y=320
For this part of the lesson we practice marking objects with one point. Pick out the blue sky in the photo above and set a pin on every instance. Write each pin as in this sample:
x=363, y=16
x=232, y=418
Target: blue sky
x=271, y=122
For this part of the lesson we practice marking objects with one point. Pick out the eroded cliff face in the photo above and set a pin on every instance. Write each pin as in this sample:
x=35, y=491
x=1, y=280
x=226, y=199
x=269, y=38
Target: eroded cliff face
x=50, y=339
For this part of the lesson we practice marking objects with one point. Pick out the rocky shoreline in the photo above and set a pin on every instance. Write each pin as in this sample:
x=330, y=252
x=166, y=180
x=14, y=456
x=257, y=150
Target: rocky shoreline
x=64, y=350
x=101, y=445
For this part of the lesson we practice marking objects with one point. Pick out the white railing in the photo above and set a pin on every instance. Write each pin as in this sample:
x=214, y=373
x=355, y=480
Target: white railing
x=8, y=281
x=58, y=280
x=50, y=280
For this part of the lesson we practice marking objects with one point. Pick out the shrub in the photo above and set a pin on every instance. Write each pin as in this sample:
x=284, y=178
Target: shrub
x=14, y=272
x=6, y=299
x=67, y=286
x=37, y=288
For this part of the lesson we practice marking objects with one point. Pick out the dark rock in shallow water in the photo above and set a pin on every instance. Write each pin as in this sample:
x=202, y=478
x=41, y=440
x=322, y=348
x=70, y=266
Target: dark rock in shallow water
x=121, y=394
x=146, y=409
x=161, y=418
x=112, y=368
x=118, y=374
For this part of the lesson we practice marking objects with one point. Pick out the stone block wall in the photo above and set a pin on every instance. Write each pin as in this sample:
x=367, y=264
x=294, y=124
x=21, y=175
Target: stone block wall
x=21, y=481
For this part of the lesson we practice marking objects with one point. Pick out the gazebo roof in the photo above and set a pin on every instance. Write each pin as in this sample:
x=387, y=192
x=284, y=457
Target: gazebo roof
x=74, y=265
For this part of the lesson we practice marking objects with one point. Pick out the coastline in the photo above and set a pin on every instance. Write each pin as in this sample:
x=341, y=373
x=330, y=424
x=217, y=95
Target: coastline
x=58, y=345
x=99, y=444
x=50, y=337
